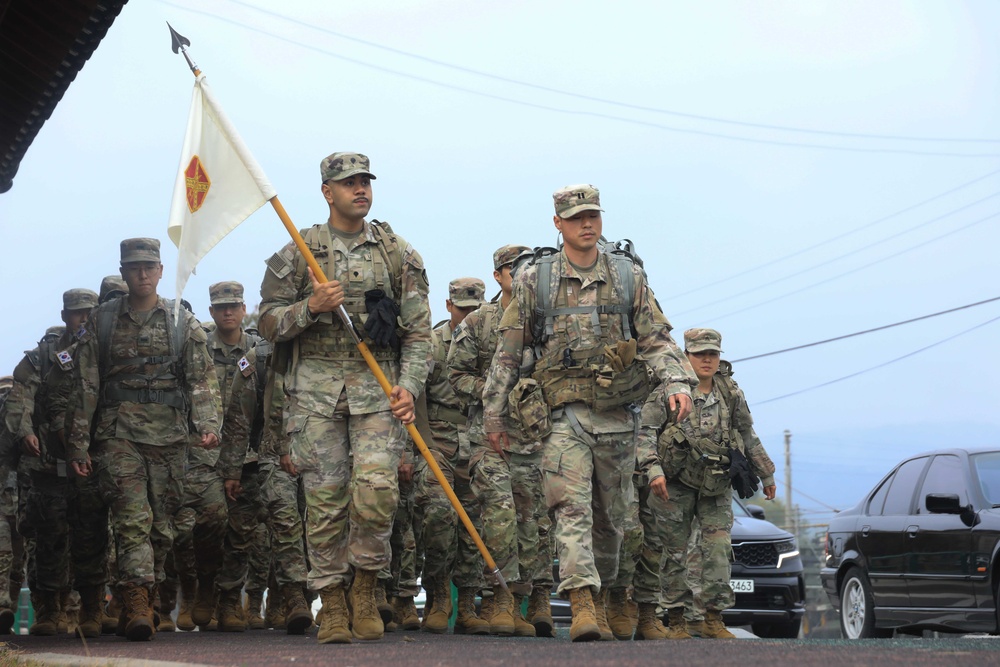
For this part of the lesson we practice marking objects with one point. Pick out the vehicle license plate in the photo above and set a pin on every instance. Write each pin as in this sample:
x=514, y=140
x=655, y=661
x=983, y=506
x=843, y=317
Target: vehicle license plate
x=741, y=585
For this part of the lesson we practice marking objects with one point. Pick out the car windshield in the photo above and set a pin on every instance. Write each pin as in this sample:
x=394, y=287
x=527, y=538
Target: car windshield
x=988, y=470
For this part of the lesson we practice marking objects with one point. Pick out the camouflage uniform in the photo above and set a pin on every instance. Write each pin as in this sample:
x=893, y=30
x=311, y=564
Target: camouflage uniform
x=711, y=419
x=508, y=487
x=345, y=442
x=67, y=514
x=449, y=552
x=140, y=412
x=589, y=455
x=11, y=543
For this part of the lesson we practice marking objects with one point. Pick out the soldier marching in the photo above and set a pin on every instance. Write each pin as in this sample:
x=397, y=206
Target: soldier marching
x=179, y=470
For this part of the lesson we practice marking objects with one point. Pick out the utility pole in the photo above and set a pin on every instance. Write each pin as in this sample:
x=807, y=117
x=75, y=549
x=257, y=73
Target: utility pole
x=789, y=509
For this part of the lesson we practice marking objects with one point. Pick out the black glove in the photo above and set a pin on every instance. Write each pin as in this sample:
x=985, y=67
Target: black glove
x=744, y=482
x=382, y=315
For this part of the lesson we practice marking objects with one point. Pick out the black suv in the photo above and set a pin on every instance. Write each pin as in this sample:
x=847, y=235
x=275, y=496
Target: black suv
x=920, y=551
x=767, y=576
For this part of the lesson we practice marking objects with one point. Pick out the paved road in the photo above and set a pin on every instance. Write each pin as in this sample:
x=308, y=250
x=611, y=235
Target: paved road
x=269, y=648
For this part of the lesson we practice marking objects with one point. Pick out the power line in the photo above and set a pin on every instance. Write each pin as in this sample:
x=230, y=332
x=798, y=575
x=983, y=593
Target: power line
x=750, y=290
x=882, y=365
x=575, y=112
x=858, y=268
x=838, y=236
x=590, y=98
x=867, y=331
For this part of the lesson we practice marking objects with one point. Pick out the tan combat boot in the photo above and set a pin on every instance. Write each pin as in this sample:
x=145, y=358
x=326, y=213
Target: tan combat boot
x=204, y=601
x=521, y=626
x=714, y=627
x=90, y=611
x=333, y=627
x=404, y=613
x=46, y=613
x=230, y=614
x=619, y=618
x=466, y=620
x=298, y=616
x=502, y=621
x=601, y=614
x=138, y=613
x=649, y=626
x=486, y=608
x=383, y=606
x=274, y=612
x=540, y=611
x=677, y=627
x=696, y=627
x=166, y=600
x=252, y=610
x=110, y=612
x=366, y=622
x=436, y=619
x=584, y=627
x=189, y=589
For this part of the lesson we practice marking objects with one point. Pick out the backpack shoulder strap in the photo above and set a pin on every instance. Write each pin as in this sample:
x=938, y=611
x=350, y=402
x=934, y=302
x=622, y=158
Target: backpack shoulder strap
x=388, y=245
x=107, y=316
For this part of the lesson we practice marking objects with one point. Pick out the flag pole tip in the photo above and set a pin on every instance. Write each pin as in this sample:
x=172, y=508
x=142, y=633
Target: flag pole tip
x=178, y=41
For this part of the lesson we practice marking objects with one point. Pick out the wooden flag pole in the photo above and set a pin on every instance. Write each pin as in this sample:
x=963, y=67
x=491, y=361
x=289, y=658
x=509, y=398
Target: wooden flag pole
x=180, y=44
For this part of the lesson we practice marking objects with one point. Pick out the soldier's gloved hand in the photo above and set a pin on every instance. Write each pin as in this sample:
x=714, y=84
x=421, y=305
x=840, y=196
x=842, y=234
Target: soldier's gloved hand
x=383, y=313
x=743, y=481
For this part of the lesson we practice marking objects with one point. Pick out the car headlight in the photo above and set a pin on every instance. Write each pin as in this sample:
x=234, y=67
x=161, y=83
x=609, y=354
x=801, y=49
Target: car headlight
x=786, y=549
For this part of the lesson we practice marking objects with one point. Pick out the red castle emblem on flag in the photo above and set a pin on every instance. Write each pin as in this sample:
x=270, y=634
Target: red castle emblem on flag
x=197, y=183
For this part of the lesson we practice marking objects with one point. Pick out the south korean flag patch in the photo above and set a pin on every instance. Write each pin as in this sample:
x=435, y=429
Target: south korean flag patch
x=244, y=365
x=65, y=360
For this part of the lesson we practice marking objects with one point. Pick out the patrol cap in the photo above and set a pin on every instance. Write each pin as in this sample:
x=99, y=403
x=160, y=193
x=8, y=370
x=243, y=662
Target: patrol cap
x=573, y=199
x=466, y=292
x=228, y=291
x=140, y=250
x=111, y=287
x=506, y=255
x=702, y=340
x=79, y=299
x=338, y=166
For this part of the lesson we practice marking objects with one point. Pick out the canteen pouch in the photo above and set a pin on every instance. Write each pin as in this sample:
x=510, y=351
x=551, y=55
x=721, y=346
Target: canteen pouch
x=529, y=410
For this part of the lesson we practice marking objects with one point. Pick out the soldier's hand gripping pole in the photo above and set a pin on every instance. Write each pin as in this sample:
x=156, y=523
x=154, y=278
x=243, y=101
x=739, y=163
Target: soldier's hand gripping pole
x=387, y=388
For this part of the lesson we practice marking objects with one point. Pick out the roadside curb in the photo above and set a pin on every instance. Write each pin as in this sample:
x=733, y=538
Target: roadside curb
x=67, y=660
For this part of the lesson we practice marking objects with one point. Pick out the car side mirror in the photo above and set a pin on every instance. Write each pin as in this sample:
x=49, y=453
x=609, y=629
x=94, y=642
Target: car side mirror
x=943, y=503
x=756, y=511
x=949, y=503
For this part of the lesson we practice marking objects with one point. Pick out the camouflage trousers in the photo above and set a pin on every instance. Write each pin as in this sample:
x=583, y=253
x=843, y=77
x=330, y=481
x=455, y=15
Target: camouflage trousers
x=8, y=570
x=675, y=518
x=449, y=551
x=143, y=486
x=401, y=575
x=349, y=466
x=279, y=495
x=588, y=486
x=245, y=517
x=693, y=576
x=492, y=485
x=534, y=554
x=71, y=528
x=200, y=524
x=641, y=553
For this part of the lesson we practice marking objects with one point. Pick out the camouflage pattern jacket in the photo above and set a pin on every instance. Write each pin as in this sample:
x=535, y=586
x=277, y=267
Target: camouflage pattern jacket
x=576, y=331
x=710, y=418
x=240, y=412
x=142, y=336
x=325, y=361
x=225, y=358
x=446, y=411
x=469, y=364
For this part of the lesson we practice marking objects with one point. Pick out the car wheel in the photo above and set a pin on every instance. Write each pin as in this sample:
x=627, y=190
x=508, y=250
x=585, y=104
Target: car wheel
x=857, y=611
x=788, y=630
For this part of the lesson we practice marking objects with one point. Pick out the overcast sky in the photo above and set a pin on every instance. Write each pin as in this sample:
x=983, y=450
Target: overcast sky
x=794, y=145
